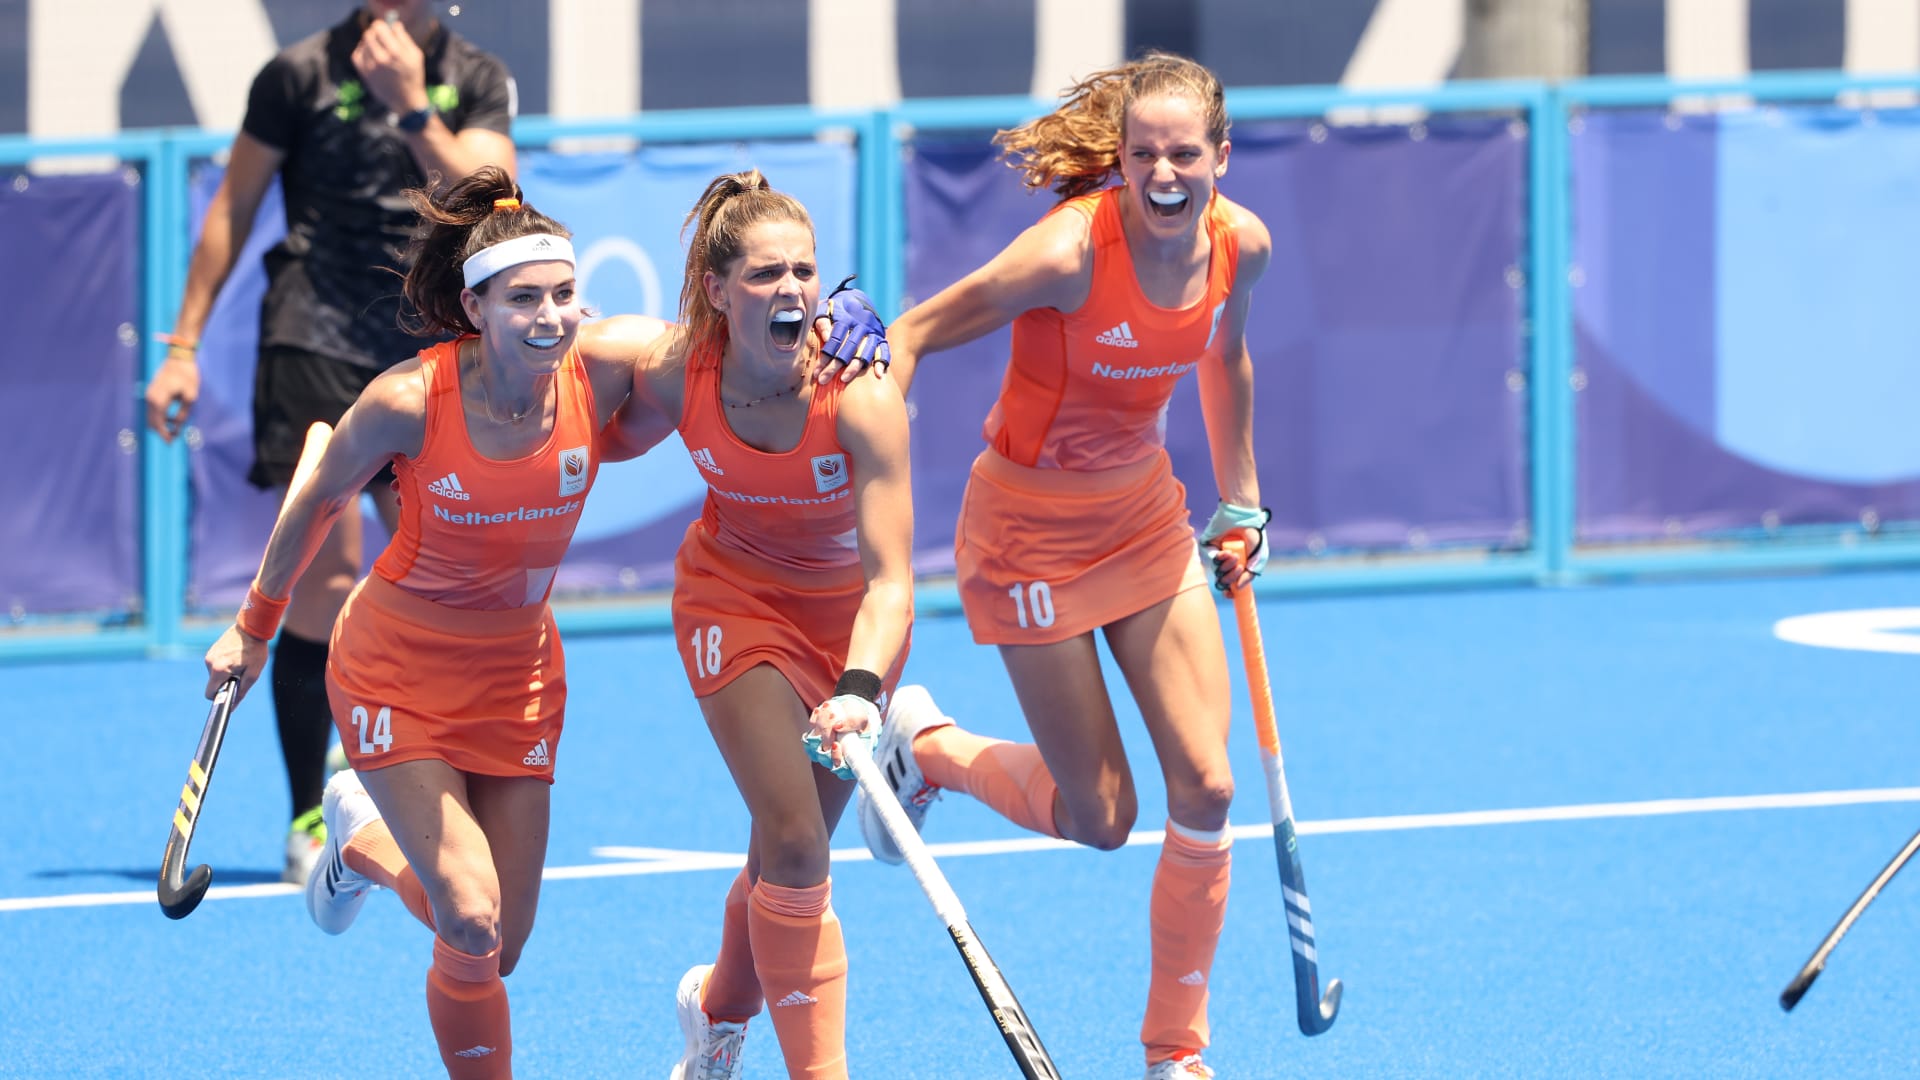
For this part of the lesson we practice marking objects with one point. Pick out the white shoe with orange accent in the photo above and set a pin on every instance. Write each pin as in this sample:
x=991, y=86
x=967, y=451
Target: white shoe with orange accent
x=1186, y=1068
x=910, y=712
x=713, y=1046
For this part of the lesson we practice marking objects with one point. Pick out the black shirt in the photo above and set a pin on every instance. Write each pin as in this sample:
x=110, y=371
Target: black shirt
x=331, y=284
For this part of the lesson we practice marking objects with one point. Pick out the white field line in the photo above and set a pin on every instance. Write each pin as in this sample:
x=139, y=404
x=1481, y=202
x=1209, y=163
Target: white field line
x=634, y=861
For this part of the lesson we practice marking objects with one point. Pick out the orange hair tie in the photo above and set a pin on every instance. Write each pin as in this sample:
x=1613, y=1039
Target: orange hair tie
x=506, y=204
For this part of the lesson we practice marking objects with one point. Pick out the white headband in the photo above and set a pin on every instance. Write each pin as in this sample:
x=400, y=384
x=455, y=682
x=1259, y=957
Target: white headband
x=539, y=247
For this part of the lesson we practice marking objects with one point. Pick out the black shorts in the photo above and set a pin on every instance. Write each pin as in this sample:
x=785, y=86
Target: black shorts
x=293, y=388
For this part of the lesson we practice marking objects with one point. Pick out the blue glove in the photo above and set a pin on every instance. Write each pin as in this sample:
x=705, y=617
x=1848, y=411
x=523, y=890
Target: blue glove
x=1247, y=524
x=831, y=713
x=857, y=334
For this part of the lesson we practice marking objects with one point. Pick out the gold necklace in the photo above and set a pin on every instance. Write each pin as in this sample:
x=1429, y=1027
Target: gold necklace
x=798, y=383
x=764, y=397
x=486, y=402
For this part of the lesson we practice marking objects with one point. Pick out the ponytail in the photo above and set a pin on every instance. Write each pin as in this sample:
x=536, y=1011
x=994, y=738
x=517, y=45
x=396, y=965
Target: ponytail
x=1075, y=149
x=732, y=204
x=478, y=212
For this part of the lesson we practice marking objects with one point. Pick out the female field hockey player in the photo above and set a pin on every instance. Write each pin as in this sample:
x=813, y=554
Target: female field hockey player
x=792, y=603
x=1072, y=520
x=445, y=674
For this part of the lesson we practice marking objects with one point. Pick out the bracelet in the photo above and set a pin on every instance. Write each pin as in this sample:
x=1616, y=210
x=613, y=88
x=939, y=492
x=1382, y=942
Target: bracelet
x=259, y=615
x=174, y=341
x=860, y=683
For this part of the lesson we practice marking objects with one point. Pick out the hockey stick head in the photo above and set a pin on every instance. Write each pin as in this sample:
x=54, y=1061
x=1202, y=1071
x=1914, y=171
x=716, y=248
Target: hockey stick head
x=181, y=891
x=1313, y=1020
x=178, y=898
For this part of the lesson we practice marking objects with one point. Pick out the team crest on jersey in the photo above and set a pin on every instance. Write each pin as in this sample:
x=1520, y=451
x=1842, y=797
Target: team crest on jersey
x=573, y=471
x=829, y=472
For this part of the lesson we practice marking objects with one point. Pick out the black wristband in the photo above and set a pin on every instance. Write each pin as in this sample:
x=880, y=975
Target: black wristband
x=859, y=683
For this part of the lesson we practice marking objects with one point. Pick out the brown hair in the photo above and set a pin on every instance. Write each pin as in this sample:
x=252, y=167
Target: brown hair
x=1075, y=148
x=731, y=205
x=454, y=225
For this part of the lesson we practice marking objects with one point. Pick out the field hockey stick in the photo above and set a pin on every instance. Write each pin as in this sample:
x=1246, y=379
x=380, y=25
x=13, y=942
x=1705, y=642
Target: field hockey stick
x=1022, y=1040
x=1798, y=987
x=179, y=897
x=1316, y=1013
x=181, y=892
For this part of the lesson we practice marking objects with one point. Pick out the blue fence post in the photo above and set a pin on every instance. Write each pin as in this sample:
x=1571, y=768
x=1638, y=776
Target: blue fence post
x=163, y=472
x=1552, y=403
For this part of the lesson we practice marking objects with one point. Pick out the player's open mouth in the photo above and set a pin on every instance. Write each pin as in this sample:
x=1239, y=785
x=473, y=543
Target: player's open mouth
x=543, y=343
x=1167, y=204
x=786, y=327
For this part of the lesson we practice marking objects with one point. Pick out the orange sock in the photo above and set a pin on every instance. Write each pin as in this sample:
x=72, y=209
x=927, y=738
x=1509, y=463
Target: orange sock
x=1007, y=776
x=467, y=1002
x=372, y=852
x=802, y=962
x=1189, y=907
x=732, y=992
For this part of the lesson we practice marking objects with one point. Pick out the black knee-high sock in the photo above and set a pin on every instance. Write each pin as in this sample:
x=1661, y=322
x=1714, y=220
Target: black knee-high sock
x=300, y=704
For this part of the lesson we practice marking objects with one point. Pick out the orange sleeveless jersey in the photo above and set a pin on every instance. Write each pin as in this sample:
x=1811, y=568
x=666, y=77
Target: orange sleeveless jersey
x=793, y=509
x=1073, y=518
x=482, y=534
x=770, y=573
x=448, y=650
x=1089, y=389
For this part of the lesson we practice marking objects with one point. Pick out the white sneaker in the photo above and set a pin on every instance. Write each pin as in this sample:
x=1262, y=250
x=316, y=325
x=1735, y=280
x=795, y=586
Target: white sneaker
x=335, y=891
x=1186, y=1068
x=910, y=712
x=306, y=838
x=713, y=1046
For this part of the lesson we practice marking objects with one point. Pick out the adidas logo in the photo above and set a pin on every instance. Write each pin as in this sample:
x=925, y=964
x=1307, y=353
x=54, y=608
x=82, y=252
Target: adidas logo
x=797, y=998
x=1193, y=978
x=703, y=457
x=448, y=487
x=537, y=756
x=543, y=244
x=1120, y=337
x=474, y=1052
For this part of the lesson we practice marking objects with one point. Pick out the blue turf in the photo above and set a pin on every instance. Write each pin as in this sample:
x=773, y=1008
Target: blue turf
x=1630, y=948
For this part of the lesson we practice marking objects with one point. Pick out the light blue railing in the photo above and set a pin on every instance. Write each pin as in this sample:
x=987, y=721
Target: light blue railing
x=1552, y=557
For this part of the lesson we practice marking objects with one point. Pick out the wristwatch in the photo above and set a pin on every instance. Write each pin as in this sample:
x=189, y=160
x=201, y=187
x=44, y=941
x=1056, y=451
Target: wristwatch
x=415, y=122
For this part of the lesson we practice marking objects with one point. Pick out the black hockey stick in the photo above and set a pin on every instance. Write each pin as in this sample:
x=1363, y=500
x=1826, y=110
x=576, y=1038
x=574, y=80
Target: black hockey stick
x=179, y=897
x=1022, y=1040
x=1798, y=987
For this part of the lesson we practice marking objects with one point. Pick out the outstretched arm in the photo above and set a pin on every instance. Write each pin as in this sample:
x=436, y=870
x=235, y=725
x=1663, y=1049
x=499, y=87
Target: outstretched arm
x=388, y=419
x=1048, y=265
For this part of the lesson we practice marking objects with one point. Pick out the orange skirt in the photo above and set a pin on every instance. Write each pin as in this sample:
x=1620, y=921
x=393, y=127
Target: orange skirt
x=732, y=610
x=412, y=680
x=1043, y=555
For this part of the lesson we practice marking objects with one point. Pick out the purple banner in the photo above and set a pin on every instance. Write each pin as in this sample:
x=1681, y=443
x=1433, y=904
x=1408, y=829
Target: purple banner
x=1390, y=411
x=1727, y=388
x=68, y=420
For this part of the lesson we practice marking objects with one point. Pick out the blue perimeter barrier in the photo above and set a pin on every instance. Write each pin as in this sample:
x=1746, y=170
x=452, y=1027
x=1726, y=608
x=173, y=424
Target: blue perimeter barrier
x=1551, y=558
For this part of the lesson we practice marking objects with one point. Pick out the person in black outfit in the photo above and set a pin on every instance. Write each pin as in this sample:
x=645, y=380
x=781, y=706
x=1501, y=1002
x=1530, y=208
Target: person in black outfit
x=348, y=119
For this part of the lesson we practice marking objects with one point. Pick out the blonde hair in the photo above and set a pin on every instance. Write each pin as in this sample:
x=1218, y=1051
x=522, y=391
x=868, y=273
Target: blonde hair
x=731, y=205
x=1075, y=148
